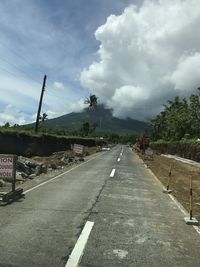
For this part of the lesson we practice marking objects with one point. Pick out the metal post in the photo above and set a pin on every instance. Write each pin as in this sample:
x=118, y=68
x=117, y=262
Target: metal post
x=191, y=220
x=169, y=177
x=167, y=190
x=191, y=202
x=40, y=104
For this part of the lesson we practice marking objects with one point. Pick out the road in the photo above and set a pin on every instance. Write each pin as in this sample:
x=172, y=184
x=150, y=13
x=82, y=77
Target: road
x=135, y=224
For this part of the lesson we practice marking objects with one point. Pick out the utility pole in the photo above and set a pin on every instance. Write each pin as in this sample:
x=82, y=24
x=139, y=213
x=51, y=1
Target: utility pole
x=40, y=104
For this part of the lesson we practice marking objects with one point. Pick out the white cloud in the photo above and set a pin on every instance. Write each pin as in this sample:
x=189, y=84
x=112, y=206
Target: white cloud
x=29, y=50
x=12, y=86
x=147, y=55
x=58, y=85
x=12, y=115
x=122, y=105
x=77, y=106
x=187, y=73
x=53, y=112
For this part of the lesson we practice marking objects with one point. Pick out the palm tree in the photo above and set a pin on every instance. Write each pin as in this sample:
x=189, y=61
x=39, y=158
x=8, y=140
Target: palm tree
x=92, y=101
x=43, y=118
x=90, y=127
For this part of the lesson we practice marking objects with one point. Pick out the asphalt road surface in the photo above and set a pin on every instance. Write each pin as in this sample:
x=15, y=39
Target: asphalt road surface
x=135, y=224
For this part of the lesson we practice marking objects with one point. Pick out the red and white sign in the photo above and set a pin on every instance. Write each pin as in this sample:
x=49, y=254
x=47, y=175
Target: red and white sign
x=78, y=149
x=6, y=166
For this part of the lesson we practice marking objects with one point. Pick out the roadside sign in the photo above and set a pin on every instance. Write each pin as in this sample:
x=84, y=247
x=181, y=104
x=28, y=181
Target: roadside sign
x=7, y=166
x=8, y=170
x=78, y=149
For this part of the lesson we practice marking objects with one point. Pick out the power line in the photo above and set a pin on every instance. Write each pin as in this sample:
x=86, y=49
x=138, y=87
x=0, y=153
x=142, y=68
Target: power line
x=52, y=93
x=47, y=92
x=63, y=104
x=9, y=72
x=19, y=55
x=16, y=67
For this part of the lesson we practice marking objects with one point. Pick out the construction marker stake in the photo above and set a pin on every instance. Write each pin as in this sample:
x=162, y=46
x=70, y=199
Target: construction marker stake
x=191, y=199
x=167, y=190
x=191, y=220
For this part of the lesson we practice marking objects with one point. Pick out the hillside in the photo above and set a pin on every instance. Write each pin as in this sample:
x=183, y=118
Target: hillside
x=100, y=115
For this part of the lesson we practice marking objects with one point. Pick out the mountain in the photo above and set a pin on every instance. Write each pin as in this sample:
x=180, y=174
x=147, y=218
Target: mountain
x=100, y=115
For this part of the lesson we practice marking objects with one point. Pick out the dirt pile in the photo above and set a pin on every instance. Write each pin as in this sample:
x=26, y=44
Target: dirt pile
x=20, y=143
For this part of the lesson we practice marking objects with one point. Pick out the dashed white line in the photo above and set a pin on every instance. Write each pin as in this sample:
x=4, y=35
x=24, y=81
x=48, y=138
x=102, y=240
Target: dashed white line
x=78, y=250
x=112, y=173
x=58, y=176
x=118, y=159
x=121, y=154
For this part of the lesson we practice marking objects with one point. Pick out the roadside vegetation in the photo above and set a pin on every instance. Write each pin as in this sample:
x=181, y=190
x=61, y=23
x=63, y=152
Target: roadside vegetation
x=179, y=121
x=176, y=130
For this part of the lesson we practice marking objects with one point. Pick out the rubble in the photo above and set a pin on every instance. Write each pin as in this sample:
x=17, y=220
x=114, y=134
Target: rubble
x=31, y=167
x=2, y=183
x=32, y=176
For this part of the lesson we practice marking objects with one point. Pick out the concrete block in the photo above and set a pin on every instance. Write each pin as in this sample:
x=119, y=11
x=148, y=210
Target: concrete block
x=191, y=222
x=169, y=191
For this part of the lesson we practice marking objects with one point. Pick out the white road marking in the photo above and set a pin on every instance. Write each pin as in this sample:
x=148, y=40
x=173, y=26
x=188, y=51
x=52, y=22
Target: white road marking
x=118, y=159
x=178, y=204
x=78, y=250
x=112, y=173
x=121, y=154
x=58, y=176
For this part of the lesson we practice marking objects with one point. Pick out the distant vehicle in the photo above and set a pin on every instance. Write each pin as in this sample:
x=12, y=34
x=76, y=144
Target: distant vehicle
x=105, y=148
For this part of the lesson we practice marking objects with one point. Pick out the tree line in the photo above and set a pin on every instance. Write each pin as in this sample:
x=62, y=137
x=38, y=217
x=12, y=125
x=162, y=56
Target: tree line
x=179, y=119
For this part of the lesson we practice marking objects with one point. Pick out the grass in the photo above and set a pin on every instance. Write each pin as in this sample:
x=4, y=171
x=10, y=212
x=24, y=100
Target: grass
x=29, y=133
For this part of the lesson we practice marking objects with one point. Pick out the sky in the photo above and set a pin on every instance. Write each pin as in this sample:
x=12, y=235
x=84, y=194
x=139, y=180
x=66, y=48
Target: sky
x=134, y=55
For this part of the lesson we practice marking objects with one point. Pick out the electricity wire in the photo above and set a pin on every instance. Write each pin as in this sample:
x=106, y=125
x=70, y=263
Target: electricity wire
x=19, y=56
x=16, y=67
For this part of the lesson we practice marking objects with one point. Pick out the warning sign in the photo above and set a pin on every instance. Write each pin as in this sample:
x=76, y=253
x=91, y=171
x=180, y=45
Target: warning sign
x=78, y=149
x=7, y=164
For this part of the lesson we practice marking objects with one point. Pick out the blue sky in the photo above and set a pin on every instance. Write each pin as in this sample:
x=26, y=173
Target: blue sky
x=51, y=37
x=133, y=54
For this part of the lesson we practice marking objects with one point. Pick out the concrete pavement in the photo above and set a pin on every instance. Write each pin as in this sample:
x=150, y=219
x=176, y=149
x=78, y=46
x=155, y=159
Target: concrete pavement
x=42, y=229
x=135, y=224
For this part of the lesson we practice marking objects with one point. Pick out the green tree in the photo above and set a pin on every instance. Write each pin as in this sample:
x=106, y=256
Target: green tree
x=86, y=128
x=194, y=112
x=179, y=118
x=91, y=101
x=93, y=127
x=7, y=125
x=43, y=118
x=90, y=127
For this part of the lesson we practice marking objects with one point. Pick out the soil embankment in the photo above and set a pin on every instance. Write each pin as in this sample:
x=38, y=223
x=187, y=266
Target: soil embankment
x=43, y=145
